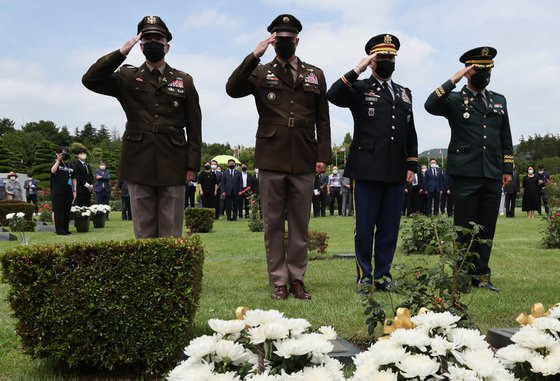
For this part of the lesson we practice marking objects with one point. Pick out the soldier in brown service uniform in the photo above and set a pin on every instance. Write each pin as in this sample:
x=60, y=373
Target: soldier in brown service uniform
x=293, y=136
x=159, y=103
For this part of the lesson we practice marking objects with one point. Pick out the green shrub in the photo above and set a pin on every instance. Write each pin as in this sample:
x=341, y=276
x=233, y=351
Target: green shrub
x=14, y=206
x=420, y=233
x=199, y=220
x=255, y=220
x=116, y=204
x=316, y=241
x=106, y=305
x=551, y=231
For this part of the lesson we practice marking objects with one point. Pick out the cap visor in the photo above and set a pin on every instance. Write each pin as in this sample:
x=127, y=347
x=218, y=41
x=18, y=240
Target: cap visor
x=286, y=33
x=153, y=31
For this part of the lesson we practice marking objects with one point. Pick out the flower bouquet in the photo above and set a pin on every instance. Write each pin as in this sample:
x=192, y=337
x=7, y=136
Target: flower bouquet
x=535, y=354
x=429, y=346
x=99, y=213
x=81, y=215
x=17, y=224
x=263, y=346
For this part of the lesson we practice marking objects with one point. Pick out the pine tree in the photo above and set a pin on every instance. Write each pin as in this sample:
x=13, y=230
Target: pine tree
x=6, y=157
x=44, y=158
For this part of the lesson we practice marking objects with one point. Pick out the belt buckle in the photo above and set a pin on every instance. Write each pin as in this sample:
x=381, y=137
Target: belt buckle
x=155, y=127
x=291, y=122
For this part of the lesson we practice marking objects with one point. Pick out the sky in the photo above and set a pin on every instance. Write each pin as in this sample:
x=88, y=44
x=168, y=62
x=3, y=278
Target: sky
x=49, y=45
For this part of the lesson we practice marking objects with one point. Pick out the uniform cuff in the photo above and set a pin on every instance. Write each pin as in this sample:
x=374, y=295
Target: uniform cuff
x=349, y=77
x=445, y=88
x=412, y=164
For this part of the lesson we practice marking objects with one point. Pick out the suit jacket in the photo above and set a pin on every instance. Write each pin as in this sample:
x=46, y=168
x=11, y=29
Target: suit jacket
x=447, y=183
x=102, y=185
x=231, y=184
x=219, y=176
x=28, y=187
x=255, y=184
x=294, y=127
x=82, y=176
x=422, y=181
x=384, y=144
x=434, y=183
x=123, y=186
x=249, y=181
x=514, y=185
x=154, y=148
x=481, y=144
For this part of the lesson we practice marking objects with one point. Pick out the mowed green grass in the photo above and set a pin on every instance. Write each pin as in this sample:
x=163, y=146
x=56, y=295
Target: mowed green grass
x=235, y=275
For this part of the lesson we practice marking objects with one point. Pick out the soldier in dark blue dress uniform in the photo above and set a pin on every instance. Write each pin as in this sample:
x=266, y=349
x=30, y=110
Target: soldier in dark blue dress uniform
x=480, y=155
x=383, y=156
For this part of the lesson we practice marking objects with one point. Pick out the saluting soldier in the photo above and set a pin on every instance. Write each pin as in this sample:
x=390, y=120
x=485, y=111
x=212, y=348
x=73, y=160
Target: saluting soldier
x=383, y=156
x=293, y=137
x=480, y=155
x=159, y=102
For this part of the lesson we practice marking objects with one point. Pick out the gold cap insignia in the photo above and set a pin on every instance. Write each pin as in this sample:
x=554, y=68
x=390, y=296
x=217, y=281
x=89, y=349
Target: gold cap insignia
x=151, y=20
x=484, y=51
x=388, y=39
x=271, y=96
x=286, y=19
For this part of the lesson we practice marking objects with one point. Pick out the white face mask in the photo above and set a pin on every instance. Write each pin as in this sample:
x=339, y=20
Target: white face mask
x=102, y=167
x=12, y=178
x=334, y=172
x=541, y=172
x=82, y=156
x=530, y=171
x=433, y=165
x=424, y=170
x=213, y=166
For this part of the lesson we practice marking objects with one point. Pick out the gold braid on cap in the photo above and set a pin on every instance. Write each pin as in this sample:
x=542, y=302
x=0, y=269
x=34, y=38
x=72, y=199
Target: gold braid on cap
x=384, y=49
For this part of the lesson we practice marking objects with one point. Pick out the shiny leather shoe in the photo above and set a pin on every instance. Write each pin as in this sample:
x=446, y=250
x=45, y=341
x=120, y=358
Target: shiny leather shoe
x=484, y=282
x=280, y=293
x=298, y=289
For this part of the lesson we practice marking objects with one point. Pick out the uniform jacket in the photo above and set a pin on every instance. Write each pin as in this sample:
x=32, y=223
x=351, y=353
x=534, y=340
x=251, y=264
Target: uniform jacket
x=294, y=127
x=102, y=185
x=384, y=144
x=154, y=149
x=231, y=184
x=481, y=144
x=82, y=176
x=434, y=183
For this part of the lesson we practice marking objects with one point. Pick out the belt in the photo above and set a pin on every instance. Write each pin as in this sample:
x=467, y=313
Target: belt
x=290, y=122
x=155, y=127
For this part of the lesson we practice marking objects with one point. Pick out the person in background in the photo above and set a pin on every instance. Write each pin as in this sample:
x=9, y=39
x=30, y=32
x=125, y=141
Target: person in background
x=511, y=190
x=423, y=190
x=190, y=192
x=126, y=210
x=216, y=170
x=13, y=187
x=434, y=184
x=334, y=187
x=531, y=198
x=413, y=196
x=347, y=199
x=447, y=195
x=231, y=188
x=31, y=188
x=61, y=191
x=102, y=187
x=543, y=179
x=247, y=185
x=83, y=178
x=207, y=186
x=2, y=189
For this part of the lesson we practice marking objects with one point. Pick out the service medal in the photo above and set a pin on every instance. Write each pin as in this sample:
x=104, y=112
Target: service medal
x=271, y=96
x=371, y=111
x=466, y=115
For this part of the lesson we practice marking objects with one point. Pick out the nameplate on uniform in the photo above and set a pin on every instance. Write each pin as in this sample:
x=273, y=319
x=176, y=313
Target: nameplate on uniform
x=372, y=99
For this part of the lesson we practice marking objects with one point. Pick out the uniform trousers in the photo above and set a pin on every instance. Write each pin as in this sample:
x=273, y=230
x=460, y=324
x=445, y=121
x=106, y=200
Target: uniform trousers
x=157, y=210
x=477, y=199
x=377, y=212
x=286, y=195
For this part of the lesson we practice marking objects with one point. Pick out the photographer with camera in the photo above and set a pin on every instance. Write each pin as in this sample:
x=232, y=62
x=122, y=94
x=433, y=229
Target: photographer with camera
x=62, y=191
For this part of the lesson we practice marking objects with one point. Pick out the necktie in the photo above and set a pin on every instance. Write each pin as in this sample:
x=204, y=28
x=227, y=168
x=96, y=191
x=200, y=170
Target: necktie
x=386, y=90
x=288, y=69
x=480, y=101
x=156, y=74
x=85, y=166
x=434, y=172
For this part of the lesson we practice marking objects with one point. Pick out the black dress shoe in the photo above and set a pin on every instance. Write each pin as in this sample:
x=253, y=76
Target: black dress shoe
x=383, y=286
x=364, y=286
x=484, y=282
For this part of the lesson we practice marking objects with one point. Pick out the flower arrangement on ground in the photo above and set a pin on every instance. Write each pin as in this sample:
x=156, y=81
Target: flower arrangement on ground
x=263, y=346
x=17, y=224
x=535, y=352
x=429, y=346
x=80, y=212
x=99, y=209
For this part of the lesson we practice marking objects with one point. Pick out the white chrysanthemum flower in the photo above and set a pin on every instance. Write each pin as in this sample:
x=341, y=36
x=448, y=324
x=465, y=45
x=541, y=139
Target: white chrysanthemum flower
x=455, y=373
x=532, y=337
x=420, y=366
x=254, y=318
x=547, y=323
x=546, y=365
x=317, y=343
x=297, y=326
x=431, y=320
x=482, y=361
x=20, y=215
x=416, y=337
x=440, y=346
x=264, y=377
x=232, y=351
x=502, y=375
x=190, y=370
x=468, y=338
x=328, y=332
x=315, y=373
x=228, y=376
x=366, y=362
x=226, y=327
x=555, y=311
x=513, y=354
x=385, y=352
x=292, y=347
x=9, y=216
x=274, y=330
x=202, y=346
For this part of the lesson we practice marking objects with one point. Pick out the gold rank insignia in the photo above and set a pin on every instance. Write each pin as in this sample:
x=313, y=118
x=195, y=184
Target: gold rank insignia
x=388, y=39
x=485, y=51
x=286, y=19
x=151, y=20
x=271, y=96
x=175, y=104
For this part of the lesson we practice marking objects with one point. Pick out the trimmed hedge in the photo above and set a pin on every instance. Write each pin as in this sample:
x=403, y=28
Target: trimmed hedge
x=107, y=305
x=15, y=206
x=199, y=220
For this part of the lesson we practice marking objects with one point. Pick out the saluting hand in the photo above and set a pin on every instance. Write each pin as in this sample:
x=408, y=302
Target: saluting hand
x=263, y=45
x=464, y=72
x=364, y=63
x=127, y=47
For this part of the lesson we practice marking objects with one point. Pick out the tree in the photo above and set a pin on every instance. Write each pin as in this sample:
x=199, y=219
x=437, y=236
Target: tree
x=47, y=129
x=64, y=137
x=214, y=149
x=87, y=135
x=23, y=143
x=102, y=134
x=6, y=125
x=5, y=158
x=44, y=158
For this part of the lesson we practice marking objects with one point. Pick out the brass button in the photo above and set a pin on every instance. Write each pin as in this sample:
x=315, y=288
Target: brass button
x=393, y=116
x=157, y=105
x=291, y=113
x=291, y=102
x=156, y=116
x=484, y=147
x=392, y=127
x=484, y=136
x=392, y=138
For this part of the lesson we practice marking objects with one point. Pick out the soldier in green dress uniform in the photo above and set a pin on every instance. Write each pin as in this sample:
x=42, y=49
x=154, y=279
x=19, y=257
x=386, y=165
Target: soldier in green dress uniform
x=480, y=155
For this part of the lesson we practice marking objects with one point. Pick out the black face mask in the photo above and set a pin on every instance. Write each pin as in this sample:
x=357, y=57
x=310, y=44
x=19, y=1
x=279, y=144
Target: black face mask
x=384, y=69
x=231, y=166
x=480, y=79
x=65, y=156
x=285, y=47
x=153, y=51
x=207, y=167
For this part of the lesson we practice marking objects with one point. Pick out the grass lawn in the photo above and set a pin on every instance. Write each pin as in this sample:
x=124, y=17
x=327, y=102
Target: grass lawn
x=235, y=275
